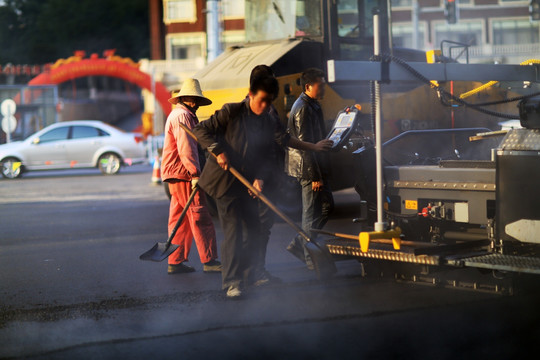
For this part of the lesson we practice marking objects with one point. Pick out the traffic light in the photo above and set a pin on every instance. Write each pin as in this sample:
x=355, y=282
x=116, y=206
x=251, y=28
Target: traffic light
x=534, y=10
x=451, y=11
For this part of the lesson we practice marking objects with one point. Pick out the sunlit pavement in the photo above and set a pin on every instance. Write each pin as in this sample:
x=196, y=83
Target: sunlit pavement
x=73, y=287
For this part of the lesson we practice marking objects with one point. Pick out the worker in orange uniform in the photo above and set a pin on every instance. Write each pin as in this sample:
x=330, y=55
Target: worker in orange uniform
x=180, y=167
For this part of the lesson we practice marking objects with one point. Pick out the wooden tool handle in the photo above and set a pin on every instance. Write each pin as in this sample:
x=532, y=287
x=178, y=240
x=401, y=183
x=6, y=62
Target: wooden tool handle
x=182, y=215
x=256, y=192
x=379, y=241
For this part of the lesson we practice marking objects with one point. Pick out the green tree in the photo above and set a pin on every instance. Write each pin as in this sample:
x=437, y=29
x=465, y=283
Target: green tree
x=37, y=31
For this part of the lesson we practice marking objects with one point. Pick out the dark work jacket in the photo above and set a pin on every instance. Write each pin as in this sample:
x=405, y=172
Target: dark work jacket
x=306, y=123
x=250, y=147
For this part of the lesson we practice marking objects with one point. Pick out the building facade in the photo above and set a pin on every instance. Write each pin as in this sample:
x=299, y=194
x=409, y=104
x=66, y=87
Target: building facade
x=179, y=28
x=497, y=30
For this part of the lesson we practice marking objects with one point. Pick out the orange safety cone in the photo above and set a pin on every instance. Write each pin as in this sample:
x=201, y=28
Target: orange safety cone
x=156, y=172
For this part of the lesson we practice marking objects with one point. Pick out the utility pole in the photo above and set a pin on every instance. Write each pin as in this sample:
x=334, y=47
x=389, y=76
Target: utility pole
x=380, y=225
x=415, y=12
x=213, y=29
x=154, y=99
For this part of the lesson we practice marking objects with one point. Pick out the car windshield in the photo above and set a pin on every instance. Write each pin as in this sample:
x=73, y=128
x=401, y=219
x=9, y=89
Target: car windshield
x=282, y=19
x=57, y=134
x=80, y=132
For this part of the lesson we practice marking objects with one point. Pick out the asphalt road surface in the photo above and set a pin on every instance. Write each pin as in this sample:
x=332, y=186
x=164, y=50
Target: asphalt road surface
x=72, y=287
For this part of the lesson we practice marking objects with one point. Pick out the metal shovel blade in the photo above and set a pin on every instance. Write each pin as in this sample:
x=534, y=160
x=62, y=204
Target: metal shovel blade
x=322, y=259
x=159, y=252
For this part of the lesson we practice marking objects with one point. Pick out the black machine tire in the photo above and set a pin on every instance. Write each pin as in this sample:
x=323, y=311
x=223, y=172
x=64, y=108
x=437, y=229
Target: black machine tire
x=7, y=167
x=109, y=163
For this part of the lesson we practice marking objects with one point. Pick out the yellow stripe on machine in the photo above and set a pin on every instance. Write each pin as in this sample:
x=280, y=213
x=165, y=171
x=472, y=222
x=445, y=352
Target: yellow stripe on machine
x=366, y=237
x=219, y=98
x=431, y=58
x=491, y=83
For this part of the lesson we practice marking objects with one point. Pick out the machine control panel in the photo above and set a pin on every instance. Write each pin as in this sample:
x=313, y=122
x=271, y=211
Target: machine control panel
x=449, y=210
x=343, y=126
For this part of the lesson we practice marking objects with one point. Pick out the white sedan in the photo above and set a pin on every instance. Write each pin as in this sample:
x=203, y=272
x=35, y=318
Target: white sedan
x=71, y=145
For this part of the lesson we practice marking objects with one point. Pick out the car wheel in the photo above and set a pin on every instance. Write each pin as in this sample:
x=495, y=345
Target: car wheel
x=109, y=163
x=12, y=168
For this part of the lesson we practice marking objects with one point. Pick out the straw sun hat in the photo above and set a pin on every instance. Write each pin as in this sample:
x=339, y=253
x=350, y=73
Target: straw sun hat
x=191, y=87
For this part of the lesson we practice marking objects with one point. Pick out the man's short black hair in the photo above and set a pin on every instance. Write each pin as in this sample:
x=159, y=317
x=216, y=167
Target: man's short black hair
x=310, y=77
x=268, y=84
x=261, y=70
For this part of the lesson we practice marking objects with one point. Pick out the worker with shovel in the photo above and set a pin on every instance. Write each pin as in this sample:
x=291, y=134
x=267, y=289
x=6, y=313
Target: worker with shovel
x=180, y=167
x=242, y=135
x=260, y=276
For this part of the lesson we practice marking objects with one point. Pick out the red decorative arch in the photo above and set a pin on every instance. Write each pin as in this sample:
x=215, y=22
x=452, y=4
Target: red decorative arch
x=114, y=66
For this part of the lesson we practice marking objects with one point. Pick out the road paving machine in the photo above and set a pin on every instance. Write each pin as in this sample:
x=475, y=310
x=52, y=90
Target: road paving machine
x=441, y=199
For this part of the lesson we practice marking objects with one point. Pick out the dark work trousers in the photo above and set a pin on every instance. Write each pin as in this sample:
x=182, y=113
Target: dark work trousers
x=239, y=218
x=316, y=208
x=267, y=219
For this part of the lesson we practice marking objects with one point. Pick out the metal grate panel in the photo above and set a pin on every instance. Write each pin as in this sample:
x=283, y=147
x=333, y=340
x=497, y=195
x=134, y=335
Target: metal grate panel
x=444, y=185
x=501, y=262
x=352, y=248
x=467, y=164
x=522, y=139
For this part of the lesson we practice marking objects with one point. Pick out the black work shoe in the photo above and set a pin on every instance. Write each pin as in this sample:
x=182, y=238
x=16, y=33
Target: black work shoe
x=297, y=250
x=179, y=269
x=212, y=266
x=309, y=263
x=267, y=279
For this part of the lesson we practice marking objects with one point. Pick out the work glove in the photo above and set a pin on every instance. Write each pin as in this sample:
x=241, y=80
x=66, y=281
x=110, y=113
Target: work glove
x=317, y=185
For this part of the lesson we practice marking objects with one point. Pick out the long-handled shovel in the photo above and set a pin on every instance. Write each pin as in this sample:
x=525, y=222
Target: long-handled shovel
x=321, y=257
x=161, y=251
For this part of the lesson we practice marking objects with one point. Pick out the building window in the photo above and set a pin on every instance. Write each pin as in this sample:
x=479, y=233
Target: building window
x=233, y=38
x=347, y=17
x=179, y=11
x=182, y=52
x=402, y=35
x=188, y=46
x=408, y=3
x=469, y=33
x=282, y=19
x=516, y=31
x=233, y=9
x=401, y=3
x=460, y=2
